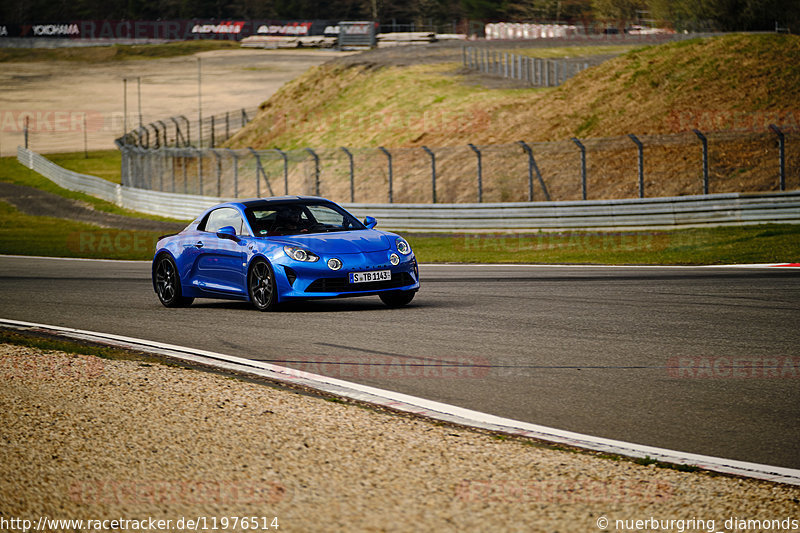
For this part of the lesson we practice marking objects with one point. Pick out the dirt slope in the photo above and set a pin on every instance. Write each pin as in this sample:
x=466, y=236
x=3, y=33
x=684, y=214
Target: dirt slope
x=732, y=82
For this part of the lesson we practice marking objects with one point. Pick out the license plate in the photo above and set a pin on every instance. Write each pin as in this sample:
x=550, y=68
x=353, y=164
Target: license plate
x=365, y=277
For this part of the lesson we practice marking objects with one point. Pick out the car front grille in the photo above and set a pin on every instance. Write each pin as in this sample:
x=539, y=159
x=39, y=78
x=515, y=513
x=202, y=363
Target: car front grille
x=342, y=284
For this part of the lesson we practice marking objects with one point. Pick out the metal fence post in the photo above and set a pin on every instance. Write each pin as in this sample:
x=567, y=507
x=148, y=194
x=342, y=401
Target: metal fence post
x=533, y=167
x=124, y=155
x=583, y=165
x=157, y=144
x=185, y=171
x=781, y=154
x=235, y=172
x=145, y=139
x=285, y=170
x=179, y=141
x=163, y=125
x=259, y=172
x=480, y=172
x=188, y=131
x=640, y=148
x=199, y=155
x=389, y=159
x=705, y=159
x=219, y=171
x=433, y=172
x=352, y=179
x=212, y=131
x=172, y=158
x=316, y=169
x=547, y=73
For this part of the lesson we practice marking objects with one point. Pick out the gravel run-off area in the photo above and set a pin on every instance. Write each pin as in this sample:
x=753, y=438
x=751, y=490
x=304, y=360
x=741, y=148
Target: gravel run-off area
x=90, y=438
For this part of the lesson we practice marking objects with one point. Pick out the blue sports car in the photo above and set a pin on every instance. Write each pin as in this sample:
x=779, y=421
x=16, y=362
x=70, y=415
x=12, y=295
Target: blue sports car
x=272, y=250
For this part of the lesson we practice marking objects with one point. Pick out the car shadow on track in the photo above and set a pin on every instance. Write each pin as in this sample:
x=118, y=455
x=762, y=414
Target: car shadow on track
x=314, y=306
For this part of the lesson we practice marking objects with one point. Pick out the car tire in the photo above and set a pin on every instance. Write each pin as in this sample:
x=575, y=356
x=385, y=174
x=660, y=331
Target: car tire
x=167, y=283
x=397, y=298
x=261, y=286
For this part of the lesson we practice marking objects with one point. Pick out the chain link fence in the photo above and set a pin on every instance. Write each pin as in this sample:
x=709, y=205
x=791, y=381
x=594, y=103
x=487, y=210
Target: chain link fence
x=170, y=156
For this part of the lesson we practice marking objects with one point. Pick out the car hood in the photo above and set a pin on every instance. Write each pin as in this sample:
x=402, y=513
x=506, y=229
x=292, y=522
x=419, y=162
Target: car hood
x=344, y=242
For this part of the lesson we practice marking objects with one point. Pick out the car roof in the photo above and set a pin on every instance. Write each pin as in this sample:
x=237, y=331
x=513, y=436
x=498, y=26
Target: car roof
x=263, y=202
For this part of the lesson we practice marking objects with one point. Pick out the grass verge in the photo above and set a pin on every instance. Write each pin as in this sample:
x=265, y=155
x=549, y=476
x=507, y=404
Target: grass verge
x=768, y=243
x=104, y=164
x=558, y=52
x=22, y=234
x=11, y=171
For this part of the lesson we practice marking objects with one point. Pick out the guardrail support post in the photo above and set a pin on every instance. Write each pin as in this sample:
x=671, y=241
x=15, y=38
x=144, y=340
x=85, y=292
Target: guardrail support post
x=533, y=167
x=285, y=170
x=480, y=172
x=781, y=154
x=316, y=169
x=640, y=148
x=352, y=179
x=583, y=165
x=433, y=172
x=705, y=159
x=389, y=159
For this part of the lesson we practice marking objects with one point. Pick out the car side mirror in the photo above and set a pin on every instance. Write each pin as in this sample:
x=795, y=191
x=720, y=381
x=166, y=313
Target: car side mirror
x=370, y=222
x=227, y=232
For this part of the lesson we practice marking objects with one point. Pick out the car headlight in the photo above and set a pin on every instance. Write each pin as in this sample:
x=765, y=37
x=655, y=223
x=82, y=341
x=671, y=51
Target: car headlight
x=394, y=259
x=300, y=254
x=334, y=263
x=402, y=246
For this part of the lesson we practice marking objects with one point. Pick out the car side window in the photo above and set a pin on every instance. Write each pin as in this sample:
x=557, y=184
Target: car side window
x=225, y=216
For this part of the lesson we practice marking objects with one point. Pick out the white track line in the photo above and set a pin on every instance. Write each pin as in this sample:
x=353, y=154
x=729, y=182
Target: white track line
x=421, y=406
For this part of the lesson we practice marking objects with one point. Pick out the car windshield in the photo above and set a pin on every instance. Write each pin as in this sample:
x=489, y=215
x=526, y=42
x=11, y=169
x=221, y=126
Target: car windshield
x=298, y=218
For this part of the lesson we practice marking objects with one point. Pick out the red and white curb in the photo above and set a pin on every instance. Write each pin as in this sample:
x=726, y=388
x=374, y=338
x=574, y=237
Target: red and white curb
x=420, y=406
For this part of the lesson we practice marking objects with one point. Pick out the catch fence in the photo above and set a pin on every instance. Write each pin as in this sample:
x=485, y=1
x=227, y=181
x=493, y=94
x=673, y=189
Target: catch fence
x=534, y=71
x=577, y=169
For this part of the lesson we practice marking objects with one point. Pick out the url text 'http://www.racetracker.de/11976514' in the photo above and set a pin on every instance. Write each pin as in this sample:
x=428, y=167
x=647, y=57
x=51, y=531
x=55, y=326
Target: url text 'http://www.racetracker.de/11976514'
x=199, y=523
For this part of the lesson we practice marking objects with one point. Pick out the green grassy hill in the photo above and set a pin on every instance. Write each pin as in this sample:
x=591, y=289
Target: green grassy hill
x=721, y=83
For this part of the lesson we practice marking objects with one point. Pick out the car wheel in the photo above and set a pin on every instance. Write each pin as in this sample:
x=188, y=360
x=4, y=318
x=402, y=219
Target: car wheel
x=397, y=298
x=168, y=284
x=261, y=286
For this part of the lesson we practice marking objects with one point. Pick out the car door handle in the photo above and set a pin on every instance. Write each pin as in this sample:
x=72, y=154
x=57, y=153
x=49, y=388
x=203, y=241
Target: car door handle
x=198, y=244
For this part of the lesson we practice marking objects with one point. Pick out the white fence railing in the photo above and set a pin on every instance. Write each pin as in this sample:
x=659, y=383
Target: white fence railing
x=630, y=214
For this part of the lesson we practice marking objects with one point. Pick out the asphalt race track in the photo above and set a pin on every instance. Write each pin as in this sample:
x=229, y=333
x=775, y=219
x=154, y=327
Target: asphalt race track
x=700, y=360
